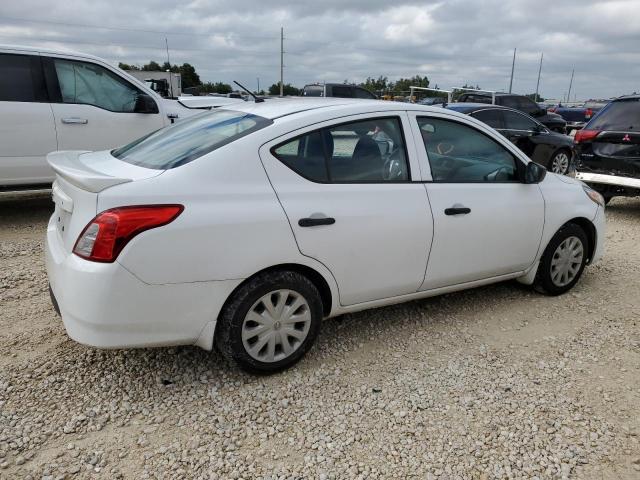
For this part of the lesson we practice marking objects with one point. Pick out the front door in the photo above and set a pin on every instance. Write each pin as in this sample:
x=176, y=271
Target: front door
x=95, y=108
x=347, y=190
x=487, y=222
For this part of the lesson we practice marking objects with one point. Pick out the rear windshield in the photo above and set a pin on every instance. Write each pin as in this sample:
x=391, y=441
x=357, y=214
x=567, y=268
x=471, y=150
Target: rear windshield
x=189, y=139
x=622, y=115
x=313, y=91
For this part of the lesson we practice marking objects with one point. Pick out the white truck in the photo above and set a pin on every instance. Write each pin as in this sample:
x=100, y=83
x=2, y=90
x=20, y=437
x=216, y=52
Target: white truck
x=52, y=100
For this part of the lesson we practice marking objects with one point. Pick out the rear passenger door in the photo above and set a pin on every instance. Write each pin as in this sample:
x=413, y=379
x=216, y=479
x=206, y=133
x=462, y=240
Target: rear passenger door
x=93, y=107
x=352, y=193
x=27, y=131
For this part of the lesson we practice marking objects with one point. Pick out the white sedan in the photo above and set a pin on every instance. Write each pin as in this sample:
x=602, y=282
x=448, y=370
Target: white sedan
x=243, y=228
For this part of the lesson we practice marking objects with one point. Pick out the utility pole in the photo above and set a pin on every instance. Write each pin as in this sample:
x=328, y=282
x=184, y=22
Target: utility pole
x=513, y=66
x=281, y=61
x=258, y=79
x=169, y=63
x=570, y=84
x=539, y=72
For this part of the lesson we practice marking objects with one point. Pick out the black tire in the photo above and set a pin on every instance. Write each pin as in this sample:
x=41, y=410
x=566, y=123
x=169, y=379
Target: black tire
x=553, y=157
x=228, y=337
x=544, y=282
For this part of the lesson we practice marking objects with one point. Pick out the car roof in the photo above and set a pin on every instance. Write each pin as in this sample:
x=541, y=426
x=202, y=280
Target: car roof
x=627, y=97
x=31, y=49
x=282, y=107
x=469, y=107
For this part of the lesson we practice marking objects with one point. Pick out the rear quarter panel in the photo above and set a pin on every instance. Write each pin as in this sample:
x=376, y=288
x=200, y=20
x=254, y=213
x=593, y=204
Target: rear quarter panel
x=232, y=226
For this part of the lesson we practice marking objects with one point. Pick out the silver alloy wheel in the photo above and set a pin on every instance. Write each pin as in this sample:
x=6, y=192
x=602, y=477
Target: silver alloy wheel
x=560, y=163
x=276, y=325
x=566, y=261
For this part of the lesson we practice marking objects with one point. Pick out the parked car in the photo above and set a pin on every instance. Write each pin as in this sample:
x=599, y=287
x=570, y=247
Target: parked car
x=52, y=100
x=553, y=150
x=243, y=228
x=609, y=149
x=518, y=102
x=338, y=90
x=432, y=101
x=578, y=116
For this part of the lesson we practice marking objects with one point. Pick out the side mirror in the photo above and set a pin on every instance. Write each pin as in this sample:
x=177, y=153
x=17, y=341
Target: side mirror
x=145, y=104
x=534, y=173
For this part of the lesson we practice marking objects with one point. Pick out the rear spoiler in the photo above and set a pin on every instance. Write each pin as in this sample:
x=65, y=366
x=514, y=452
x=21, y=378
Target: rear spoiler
x=67, y=164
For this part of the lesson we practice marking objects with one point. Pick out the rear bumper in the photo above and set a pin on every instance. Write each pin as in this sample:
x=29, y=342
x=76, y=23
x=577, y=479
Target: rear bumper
x=603, y=179
x=104, y=305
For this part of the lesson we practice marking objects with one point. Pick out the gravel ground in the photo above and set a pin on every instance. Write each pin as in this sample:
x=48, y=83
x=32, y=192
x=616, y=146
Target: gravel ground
x=497, y=382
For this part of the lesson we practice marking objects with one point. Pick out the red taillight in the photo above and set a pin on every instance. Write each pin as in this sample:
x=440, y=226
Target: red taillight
x=551, y=109
x=588, y=113
x=585, y=135
x=106, y=235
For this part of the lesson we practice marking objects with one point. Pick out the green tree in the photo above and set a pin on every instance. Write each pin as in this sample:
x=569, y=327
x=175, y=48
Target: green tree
x=403, y=85
x=152, y=67
x=189, y=76
x=377, y=85
x=126, y=66
x=287, y=89
x=217, y=87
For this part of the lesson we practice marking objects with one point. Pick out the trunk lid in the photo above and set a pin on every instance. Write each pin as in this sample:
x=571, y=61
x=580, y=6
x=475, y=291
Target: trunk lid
x=80, y=177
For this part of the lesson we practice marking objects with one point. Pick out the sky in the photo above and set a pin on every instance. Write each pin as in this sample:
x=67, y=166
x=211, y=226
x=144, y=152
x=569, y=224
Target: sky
x=451, y=42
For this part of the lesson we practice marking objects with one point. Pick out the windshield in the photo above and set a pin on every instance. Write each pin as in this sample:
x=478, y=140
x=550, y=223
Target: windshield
x=622, y=115
x=189, y=139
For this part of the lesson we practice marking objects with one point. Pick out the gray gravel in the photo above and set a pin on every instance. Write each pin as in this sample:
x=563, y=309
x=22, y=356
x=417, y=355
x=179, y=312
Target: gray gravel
x=498, y=382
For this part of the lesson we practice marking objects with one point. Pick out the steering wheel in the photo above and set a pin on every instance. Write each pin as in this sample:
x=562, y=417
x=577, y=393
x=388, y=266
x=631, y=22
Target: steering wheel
x=444, y=148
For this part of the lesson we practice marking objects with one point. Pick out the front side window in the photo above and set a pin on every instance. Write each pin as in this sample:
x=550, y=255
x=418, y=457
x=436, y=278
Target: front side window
x=518, y=121
x=366, y=151
x=459, y=153
x=189, y=139
x=90, y=84
x=20, y=79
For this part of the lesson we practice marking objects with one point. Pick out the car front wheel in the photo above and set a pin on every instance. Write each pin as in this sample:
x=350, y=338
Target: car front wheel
x=563, y=261
x=270, y=322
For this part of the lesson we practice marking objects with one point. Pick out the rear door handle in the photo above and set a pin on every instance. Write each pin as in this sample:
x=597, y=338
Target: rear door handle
x=313, y=222
x=457, y=211
x=75, y=120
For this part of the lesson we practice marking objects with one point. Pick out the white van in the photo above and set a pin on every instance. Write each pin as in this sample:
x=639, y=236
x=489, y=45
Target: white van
x=51, y=100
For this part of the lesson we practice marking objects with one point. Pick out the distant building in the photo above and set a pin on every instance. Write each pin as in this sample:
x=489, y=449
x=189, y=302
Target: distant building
x=167, y=84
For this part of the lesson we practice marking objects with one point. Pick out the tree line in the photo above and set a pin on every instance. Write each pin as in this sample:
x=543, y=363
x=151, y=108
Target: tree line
x=380, y=85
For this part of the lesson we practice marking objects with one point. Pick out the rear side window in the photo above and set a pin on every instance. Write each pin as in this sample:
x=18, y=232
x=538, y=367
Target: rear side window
x=189, y=139
x=518, y=121
x=366, y=151
x=622, y=115
x=21, y=79
x=342, y=92
x=363, y=93
x=492, y=117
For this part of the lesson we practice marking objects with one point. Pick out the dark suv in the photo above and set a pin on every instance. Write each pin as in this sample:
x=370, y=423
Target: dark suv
x=609, y=149
x=519, y=102
x=339, y=90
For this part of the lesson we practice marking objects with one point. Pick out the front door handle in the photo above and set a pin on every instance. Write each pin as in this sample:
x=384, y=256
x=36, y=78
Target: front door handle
x=75, y=120
x=313, y=222
x=457, y=211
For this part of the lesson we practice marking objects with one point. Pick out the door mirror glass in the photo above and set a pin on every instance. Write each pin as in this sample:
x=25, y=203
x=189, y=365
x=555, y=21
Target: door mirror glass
x=145, y=104
x=534, y=173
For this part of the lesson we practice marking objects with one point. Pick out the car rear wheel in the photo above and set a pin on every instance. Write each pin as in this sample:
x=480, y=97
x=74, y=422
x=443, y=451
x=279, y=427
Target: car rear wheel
x=563, y=261
x=270, y=322
x=560, y=162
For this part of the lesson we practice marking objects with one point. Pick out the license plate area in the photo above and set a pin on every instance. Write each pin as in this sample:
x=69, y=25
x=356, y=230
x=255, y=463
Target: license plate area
x=63, y=210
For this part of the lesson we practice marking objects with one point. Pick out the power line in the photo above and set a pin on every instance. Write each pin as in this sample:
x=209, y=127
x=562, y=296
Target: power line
x=129, y=29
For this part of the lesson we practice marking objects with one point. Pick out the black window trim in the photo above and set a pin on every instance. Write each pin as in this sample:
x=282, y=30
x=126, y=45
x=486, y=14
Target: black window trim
x=40, y=91
x=326, y=157
x=520, y=165
x=53, y=84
